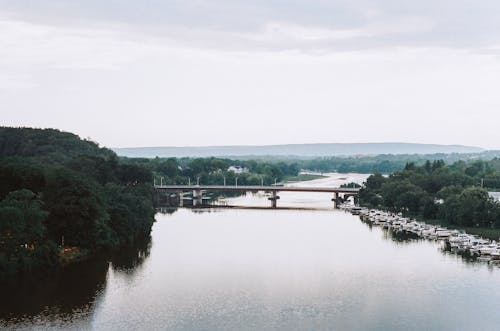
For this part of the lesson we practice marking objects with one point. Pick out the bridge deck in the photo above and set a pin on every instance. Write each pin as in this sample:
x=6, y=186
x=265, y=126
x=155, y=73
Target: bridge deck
x=179, y=188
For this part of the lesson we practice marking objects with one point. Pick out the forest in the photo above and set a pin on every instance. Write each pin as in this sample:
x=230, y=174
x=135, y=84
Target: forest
x=453, y=193
x=63, y=198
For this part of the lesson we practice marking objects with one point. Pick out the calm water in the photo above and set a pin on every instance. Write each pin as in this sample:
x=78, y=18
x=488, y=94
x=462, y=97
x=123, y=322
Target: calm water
x=234, y=269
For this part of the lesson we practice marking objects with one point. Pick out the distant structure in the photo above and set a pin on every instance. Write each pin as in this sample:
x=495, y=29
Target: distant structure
x=238, y=169
x=340, y=194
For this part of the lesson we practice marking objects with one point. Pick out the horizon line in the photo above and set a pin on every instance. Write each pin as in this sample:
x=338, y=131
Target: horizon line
x=302, y=144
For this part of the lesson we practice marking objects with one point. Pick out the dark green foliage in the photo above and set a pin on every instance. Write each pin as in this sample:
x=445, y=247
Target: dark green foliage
x=472, y=207
x=51, y=146
x=55, y=187
x=131, y=174
x=131, y=215
x=16, y=174
x=435, y=190
x=75, y=209
x=98, y=168
x=23, y=244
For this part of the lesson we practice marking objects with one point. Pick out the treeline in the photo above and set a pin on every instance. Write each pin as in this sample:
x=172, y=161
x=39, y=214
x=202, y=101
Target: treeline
x=436, y=191
x=48, y=146
x=369, y=164
x=213, y=171
x=384, y=164
x=61, y=196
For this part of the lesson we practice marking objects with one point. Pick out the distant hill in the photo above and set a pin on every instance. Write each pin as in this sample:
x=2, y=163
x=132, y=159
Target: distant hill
x=301, y=150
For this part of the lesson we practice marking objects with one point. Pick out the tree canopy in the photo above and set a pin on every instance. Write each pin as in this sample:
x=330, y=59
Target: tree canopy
x=433, y=190
x=56, y=189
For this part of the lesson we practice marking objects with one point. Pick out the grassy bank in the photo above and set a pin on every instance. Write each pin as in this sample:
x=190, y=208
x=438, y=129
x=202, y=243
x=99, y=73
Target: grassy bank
x=302, y=178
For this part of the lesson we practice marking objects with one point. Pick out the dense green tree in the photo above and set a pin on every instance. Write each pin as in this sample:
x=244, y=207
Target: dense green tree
x=128, y=208
x=16, y=174
x=76, y=212
x=23, y=245
x=475, y=207
x=48, y=145
x=375, y=182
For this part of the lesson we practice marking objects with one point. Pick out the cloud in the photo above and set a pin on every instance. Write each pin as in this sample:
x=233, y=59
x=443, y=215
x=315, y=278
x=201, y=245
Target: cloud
x=16, y=81
x=24, y=43
x=308, y=25
x=300, y=65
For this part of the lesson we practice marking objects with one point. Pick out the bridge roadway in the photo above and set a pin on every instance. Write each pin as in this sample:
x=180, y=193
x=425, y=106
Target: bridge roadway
x=199, y=189
x=255, y=188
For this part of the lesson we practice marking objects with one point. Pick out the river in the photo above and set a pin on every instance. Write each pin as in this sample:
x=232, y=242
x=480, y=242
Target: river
x=263, y=269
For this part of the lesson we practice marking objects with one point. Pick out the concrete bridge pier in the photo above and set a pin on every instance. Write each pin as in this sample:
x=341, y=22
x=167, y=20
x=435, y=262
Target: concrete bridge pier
x=181, y=199
x=336, y=199
x=355, y=198
x=197, y=197
x=274, y=198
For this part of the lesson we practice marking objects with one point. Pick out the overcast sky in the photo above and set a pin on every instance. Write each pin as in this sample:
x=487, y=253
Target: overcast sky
x=184, y=73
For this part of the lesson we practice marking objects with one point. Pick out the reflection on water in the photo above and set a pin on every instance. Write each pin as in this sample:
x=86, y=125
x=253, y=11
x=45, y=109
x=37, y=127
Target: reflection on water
x=408, y=238
x=235, y=269
x=67, y=295
x=59, y=294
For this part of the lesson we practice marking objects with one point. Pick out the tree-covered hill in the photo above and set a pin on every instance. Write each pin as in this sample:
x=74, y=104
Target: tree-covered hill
x=48, y=145
x=61, y=196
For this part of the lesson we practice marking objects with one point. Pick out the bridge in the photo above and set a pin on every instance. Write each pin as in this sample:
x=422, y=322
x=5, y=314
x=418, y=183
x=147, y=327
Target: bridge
x=340, y=193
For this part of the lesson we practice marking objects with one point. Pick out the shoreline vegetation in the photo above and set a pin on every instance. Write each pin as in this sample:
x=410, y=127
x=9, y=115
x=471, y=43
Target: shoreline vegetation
x=449, y=195
x=488, y=233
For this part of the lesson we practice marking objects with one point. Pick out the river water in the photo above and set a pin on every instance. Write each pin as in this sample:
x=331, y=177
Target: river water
x=263, y=269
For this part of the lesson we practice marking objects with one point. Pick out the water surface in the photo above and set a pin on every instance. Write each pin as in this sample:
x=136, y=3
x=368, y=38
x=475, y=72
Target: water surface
x=233, y=269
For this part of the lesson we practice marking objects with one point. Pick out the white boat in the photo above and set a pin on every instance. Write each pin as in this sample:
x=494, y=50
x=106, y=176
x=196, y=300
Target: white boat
x=356, y=210
x=442, y=233
x=476, y=244
x=458, y=239
x=427, y=230
x=487, y=249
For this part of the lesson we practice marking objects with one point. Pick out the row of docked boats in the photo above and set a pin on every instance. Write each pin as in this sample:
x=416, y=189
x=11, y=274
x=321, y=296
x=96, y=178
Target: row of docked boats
x=457, y=241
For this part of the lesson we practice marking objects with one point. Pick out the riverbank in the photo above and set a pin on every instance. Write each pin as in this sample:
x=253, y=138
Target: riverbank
x=303, y=177
x=466, y=244
x=487, y=233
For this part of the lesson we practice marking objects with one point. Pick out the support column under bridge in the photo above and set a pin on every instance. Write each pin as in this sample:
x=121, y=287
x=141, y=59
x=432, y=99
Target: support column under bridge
x=197, y=197
x=336, y=199
x=274, y=198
